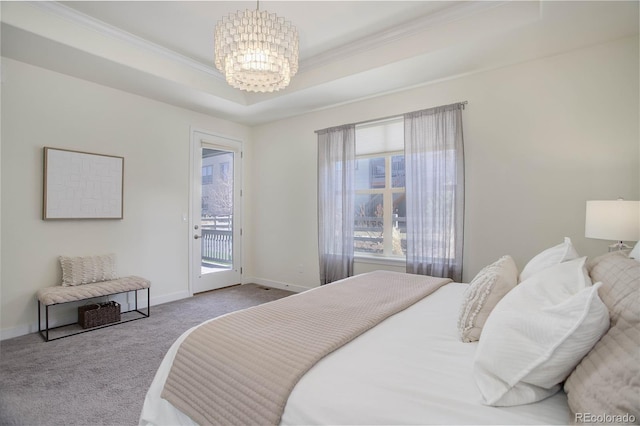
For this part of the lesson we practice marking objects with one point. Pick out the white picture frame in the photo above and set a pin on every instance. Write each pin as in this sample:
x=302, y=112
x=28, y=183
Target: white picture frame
x=82, y=185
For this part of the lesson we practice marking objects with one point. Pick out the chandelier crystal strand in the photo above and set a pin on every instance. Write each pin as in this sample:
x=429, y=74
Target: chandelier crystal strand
x=256, y=50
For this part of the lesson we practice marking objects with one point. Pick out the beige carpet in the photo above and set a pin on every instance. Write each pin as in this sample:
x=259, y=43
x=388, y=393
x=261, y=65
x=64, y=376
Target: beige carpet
x=101, y=377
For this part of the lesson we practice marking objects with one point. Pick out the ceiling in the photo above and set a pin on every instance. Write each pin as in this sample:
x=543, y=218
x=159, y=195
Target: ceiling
x=349, y=50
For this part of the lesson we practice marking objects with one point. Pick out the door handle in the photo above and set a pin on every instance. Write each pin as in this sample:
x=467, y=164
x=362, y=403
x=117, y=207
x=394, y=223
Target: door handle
x=196, y=236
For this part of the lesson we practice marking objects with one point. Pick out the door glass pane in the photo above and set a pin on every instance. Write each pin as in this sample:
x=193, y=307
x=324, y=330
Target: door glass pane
x=217, y=211
x=369, y=224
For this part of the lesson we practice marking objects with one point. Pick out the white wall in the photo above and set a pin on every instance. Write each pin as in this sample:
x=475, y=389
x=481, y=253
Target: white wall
x=44, y=108
x=541, y=138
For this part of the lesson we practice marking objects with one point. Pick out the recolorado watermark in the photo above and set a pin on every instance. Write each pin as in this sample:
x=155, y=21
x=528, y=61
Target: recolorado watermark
x=605, y=418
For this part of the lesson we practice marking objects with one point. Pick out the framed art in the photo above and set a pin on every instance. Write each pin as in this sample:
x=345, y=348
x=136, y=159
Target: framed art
x=82, y=185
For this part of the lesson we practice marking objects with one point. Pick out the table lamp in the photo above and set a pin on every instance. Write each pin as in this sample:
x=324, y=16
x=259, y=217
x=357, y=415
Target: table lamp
x=617, y=220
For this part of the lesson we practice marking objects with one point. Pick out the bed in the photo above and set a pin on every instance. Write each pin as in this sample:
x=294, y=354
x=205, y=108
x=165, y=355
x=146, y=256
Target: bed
x=414, y=368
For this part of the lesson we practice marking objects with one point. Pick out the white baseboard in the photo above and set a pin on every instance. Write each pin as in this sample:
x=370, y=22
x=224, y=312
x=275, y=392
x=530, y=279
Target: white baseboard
x=24, y=329
x=17, y=331
x=275, y=284
x=70, y=314
x=158, y=300
x=61, y=317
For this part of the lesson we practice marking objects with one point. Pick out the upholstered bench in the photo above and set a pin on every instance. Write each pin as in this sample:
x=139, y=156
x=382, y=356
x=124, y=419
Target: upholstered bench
x=56, y=295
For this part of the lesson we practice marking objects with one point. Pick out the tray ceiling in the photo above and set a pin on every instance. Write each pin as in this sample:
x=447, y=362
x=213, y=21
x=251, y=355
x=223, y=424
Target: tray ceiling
x=349, y=50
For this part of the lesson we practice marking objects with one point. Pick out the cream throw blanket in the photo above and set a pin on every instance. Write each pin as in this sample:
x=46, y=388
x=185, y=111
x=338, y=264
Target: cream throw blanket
x=241, y=368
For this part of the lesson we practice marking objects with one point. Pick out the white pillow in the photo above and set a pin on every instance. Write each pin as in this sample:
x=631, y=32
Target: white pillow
x=537, y=334
x=549, y=257
x=635, y=253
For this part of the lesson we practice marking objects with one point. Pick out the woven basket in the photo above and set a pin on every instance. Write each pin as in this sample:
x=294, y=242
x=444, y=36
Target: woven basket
x=98, y=314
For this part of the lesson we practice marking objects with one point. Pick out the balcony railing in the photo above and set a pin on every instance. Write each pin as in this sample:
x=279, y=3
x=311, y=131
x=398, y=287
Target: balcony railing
x=368, y=236
x=217, y=241
x=217, y=246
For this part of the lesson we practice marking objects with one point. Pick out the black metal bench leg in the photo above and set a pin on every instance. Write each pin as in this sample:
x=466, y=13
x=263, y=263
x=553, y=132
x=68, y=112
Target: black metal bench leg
x=47, y=321
x=43, y=333
x=39, y=318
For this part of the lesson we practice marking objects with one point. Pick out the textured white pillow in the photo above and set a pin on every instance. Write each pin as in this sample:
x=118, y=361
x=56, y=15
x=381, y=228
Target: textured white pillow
x=537, y=334
x=635, y=253
x=549, y=257
x=88, y=269
x=483, y=294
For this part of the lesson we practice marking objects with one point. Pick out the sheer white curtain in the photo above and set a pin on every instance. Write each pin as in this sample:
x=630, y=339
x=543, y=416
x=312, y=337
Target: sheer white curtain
x=336, y=178
x=434, y=164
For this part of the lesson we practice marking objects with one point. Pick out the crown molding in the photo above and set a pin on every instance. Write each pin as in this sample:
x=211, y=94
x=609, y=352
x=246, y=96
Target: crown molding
x=398, y=32
x=111, y=31
x=345, y=51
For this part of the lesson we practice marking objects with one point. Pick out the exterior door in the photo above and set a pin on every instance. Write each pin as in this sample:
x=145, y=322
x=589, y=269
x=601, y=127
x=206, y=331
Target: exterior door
x=215, y=232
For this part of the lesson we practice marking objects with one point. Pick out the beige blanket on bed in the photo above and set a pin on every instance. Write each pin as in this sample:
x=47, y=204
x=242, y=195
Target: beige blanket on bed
x=241, y=368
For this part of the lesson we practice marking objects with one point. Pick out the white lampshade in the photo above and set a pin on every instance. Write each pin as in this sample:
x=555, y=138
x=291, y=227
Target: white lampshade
x=617, y=220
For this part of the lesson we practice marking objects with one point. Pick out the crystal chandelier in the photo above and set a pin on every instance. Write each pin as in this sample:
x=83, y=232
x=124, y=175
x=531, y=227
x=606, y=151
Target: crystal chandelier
x=256, y=50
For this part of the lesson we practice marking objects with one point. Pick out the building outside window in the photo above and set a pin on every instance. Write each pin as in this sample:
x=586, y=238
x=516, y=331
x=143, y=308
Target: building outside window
x=217, y=183
x=207, y=175
x=224, y=171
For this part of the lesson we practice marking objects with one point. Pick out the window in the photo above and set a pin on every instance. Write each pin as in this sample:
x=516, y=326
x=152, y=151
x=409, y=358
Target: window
x=207, y=175
x=382, y=198
x=380, y=207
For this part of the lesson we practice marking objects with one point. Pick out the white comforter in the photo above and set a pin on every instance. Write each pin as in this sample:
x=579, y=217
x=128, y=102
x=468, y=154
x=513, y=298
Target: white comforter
x=410, y=369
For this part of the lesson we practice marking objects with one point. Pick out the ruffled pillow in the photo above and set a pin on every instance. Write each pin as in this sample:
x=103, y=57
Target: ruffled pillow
x=483, y=294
